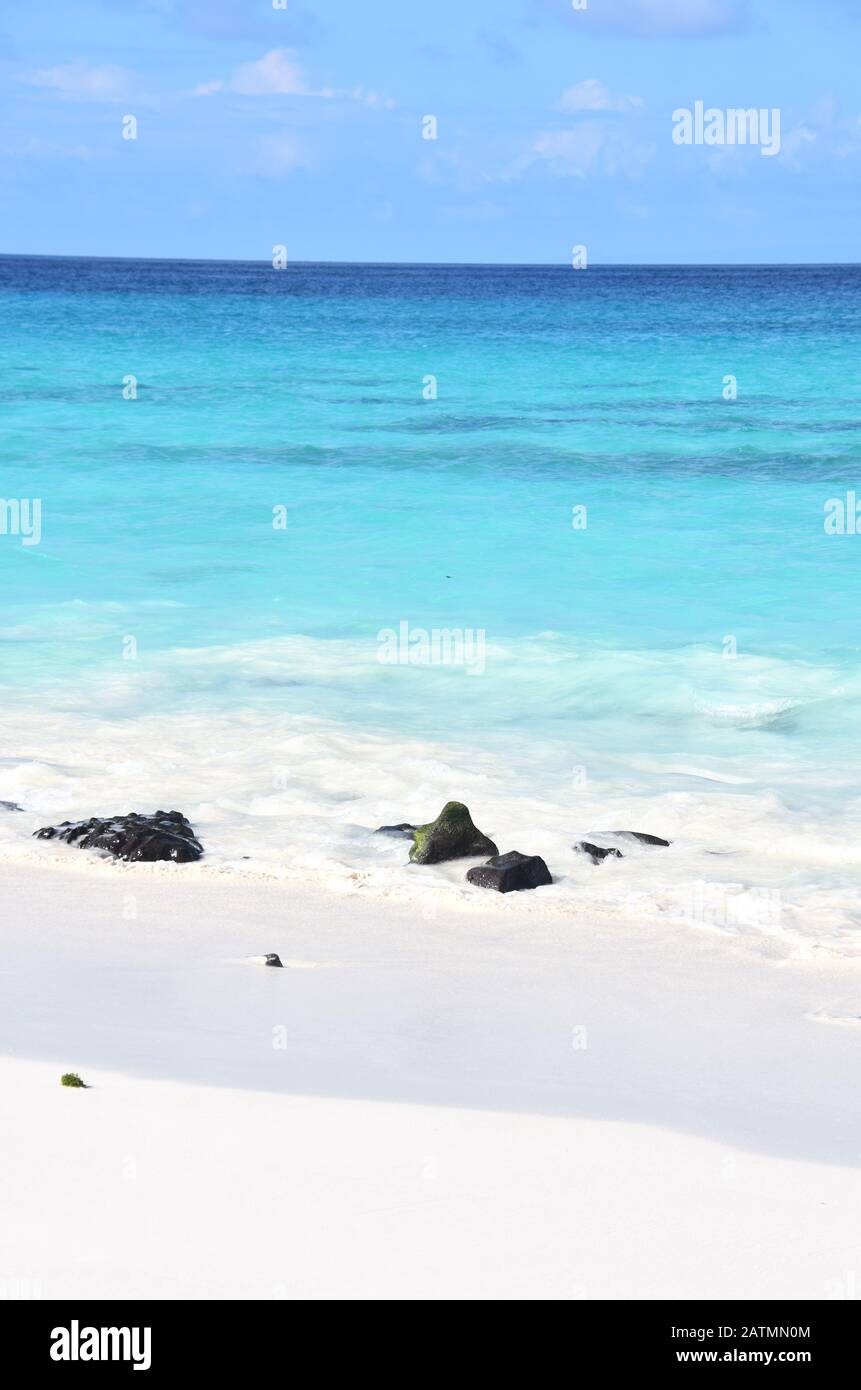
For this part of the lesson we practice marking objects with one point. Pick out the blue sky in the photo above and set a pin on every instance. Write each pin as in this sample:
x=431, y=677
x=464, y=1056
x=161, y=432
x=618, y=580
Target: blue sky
x=303, y=126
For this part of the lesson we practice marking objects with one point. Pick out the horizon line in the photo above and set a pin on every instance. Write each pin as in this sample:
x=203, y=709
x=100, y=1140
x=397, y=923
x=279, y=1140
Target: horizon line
x=437, y=265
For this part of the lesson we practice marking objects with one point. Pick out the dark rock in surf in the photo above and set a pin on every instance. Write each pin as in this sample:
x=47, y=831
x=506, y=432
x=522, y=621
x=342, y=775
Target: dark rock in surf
x=10, y=806
x=641, y=837
x=451, y=836
x=510, y=873
x=597, y=853
x=167, y=835
x=403, y=829
x=271, y=958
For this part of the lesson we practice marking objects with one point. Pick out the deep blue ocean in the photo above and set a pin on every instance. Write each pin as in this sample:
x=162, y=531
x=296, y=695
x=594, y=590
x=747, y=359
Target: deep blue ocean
x=311, y=457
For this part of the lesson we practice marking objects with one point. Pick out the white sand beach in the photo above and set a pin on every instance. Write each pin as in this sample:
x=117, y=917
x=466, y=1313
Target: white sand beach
x=482, y=1104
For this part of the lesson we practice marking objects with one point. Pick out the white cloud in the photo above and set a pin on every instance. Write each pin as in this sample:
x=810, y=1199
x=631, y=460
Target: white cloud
x=208, y=89
x=592, y=95
x=278, y=73
x=597, y=142
x=683, y=18
x=275, y=74
x=279, y=154
x=372, y=99
x=794, y=142
x=572, y=152
x=823, y=134
x=592, y=146
x=849, y=146
x=83, y=80
x=450, y=168
x=652, y=18
x=36, y=148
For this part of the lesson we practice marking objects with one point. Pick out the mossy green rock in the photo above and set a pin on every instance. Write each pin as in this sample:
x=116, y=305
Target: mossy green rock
x=451, y=836
x=71, y=1078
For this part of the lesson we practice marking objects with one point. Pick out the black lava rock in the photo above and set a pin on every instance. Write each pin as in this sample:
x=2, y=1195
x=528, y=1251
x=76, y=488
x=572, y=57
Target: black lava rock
x=510, y=873
x=403, y=829
x=642, y=837
x=272, y=959
x=596, y=852
x=139, y=839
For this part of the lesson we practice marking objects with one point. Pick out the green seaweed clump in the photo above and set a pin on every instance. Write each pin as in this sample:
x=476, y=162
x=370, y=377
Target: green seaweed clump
x=451, y=836
x=71, y=1078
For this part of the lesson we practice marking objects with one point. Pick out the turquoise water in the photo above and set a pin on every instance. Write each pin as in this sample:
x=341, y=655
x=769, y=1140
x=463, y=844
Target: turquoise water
x=303, y=389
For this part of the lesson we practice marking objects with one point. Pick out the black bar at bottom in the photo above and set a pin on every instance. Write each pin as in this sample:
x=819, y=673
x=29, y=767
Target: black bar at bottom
x=160, y=1338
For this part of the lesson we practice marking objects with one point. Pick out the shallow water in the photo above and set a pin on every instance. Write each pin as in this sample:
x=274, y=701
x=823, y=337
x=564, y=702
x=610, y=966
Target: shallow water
x=687, y=664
